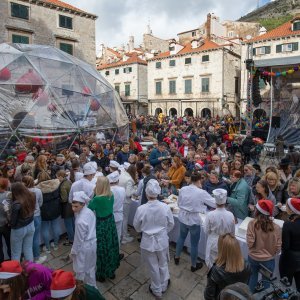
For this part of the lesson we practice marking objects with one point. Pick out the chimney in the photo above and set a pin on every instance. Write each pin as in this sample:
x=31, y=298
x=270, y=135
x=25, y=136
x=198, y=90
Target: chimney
x=131, y=43
x=208, y=27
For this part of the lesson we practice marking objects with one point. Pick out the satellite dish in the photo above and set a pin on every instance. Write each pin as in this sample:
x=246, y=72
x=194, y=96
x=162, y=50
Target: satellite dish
x=248, y=37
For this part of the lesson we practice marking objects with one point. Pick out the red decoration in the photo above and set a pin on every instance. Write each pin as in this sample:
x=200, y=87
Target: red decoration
x=30, y=82
x=86, y=91
x=5, y=74
x=52, y=107
x=95, y=105
x=41, y=97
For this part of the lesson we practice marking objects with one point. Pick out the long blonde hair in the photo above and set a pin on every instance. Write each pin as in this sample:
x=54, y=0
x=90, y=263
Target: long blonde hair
x=102, y=187
x=230, y=254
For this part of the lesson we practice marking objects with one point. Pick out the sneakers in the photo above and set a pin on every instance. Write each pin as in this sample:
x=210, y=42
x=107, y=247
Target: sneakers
x=41, y=259
x=127, y=239
x=198, y=267
x=55, y=247
x=46, y=250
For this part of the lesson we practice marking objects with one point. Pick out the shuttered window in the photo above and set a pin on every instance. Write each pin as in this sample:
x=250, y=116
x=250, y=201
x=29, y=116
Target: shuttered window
x=68, y=48
x=20, y=39
x=19, y=11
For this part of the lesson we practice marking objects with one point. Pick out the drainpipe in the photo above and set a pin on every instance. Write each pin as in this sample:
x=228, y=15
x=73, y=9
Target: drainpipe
x=138, y=88
x=222, y=102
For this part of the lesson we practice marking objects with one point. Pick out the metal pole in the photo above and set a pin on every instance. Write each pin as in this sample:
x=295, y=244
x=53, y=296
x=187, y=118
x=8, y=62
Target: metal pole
x=271, y=109
x=249, y=92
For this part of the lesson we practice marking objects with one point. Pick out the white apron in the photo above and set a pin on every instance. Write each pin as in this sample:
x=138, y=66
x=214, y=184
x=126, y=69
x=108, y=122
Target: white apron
x=211, y=251
x=84, y=263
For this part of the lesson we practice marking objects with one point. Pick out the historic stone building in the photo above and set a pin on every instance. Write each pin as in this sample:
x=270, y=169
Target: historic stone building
x=201, y=78
x=129, y=77
x=49, y=22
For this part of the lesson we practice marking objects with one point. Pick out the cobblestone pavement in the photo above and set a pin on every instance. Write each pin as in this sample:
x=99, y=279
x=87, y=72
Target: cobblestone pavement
x=132, y=281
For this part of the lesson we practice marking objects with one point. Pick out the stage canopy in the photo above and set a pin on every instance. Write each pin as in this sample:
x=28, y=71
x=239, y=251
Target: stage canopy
x=47, y=93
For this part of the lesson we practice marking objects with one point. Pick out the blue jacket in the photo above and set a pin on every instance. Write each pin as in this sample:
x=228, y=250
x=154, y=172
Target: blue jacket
x=209, y=187
x=239, y=199
x=122, y=157
x=154, y=155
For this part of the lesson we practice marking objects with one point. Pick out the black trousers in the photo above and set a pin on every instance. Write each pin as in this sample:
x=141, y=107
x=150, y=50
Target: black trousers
x=5, y=233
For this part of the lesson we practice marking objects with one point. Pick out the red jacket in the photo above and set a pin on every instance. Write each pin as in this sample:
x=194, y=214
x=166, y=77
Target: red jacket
x=139, y=147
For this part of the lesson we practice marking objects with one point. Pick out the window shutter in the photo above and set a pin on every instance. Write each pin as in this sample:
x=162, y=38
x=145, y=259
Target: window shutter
x=267, y=50
x=278, y=48
x=254, y=51
x=295, y=46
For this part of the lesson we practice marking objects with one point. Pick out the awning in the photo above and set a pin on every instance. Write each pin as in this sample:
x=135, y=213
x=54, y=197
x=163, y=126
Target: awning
x=280, y=61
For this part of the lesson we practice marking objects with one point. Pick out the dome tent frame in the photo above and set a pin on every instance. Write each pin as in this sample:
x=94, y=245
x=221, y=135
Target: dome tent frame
x=46, y=93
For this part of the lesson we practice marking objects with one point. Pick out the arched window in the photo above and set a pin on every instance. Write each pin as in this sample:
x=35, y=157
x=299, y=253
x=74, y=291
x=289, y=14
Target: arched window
x=158, y=111
x=189, y=112
x=172, y=112
x=206, y=113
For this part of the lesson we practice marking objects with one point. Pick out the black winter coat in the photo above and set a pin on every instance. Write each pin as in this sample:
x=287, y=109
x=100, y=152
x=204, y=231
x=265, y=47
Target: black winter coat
x=218, y=279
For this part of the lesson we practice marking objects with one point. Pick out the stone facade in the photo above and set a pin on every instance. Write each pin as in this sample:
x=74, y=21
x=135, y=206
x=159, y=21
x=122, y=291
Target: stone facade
x=135, y=76
x=42, y=27
x=151, y=42
x=222, y=72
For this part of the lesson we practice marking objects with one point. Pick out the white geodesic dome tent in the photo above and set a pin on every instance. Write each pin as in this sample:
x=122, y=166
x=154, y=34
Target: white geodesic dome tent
x=45, y=92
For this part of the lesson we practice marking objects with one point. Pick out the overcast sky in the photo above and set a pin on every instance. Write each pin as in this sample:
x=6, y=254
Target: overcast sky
x=118, y=19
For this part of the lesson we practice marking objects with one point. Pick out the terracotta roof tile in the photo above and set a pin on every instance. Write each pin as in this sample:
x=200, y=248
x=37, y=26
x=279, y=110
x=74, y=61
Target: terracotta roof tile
x=208, y=45
x=65, y=5
x=278, y=32
x=116, y=53
x=134, y=59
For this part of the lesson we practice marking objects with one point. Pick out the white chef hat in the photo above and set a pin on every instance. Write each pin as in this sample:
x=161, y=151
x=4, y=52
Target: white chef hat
x=81, y=197
x=126, y=165
x=153, y=189
x=94, y=164
x=89, y=169
x=114, y=164
x=113, y=177
x=220, y=196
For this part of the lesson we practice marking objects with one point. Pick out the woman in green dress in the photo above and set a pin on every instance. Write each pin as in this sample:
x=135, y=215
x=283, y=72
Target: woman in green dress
x=107, y=238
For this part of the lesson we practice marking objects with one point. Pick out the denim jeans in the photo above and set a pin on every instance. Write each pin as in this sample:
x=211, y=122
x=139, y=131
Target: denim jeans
x=55, y=225
x=36, y=237
x=21, y=240
x=254, y=265
x=70, y=227
x=5, y=233
x=195, y=237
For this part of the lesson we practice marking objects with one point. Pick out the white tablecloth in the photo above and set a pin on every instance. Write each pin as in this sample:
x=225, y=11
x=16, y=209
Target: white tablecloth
x=173, y=235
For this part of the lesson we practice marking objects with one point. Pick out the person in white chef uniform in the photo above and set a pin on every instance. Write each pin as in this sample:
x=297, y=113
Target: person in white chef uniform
x=84, y=249
x=84, y=184
x=217, y=222
x=191, y=201
x=119, y=196
x=155, y=219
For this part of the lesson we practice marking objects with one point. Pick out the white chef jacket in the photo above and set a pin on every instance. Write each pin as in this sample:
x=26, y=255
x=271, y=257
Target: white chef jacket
x=217, y=222
x=85, y=242
x=119, y=196
x=94, y=180
x=155, y=220
x=128, y=184
x=82, y=185
x=190, y=201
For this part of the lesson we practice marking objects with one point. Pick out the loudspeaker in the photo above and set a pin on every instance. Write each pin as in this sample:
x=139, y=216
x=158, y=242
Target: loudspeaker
x=275, y=122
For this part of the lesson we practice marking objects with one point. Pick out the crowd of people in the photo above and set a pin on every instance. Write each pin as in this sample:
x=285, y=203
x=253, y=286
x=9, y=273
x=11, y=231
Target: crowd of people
x=91, y=185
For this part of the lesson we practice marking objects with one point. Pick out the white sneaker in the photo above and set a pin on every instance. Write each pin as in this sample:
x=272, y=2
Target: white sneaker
x=45, y=249
x=41, y=260
x=55, y=247
x=127, y=240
